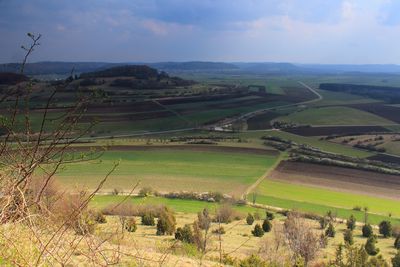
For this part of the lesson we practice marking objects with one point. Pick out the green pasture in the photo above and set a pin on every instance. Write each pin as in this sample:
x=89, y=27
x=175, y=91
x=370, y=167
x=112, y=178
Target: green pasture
x=319, y=201
x=171, y=170
x=334, y=116
x=178, y=205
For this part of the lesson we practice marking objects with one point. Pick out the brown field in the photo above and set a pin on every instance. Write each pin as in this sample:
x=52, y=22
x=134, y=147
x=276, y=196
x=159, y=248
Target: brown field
x=385, y=158
x=338, y=178
x=382, y=110
x=329, y=130
x=262, y=121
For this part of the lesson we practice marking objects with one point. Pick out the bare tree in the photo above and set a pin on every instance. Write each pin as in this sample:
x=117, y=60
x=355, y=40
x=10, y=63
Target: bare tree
x=301, y=238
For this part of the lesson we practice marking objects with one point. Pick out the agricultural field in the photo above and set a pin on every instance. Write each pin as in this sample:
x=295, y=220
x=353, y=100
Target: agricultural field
x=174, y=168
x=334, y=116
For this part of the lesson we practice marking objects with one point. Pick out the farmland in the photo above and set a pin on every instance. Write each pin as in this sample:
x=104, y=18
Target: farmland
x=174, y=169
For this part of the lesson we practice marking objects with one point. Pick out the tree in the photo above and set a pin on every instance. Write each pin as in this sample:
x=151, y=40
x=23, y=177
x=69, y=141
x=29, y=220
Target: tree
x=396, y=259
x=385, y=229
x=166, y=222
x=367, y=230
x=301, y=239
x=370, y=247
x=266, y=226
x=258, y=231
x=250, y=219
x=397, y=242
x=330, y=231
x=201, y=229
x=348, y=237
x=185, y=234
x=351, y=223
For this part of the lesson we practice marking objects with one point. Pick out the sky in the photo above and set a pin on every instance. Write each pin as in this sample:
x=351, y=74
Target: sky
x=298, y=31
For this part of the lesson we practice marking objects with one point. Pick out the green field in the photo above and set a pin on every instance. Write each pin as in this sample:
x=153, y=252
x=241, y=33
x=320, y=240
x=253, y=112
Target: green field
x=319, y=201
x=178, y=205
x=171, y=170
x=334, y=116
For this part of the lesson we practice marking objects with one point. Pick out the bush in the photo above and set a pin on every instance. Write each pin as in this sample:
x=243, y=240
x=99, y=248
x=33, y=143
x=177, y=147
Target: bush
x=385, y=229
x=130, y=225
x=396, y=259
x=84, y=224
x=225, y=214
x=367, y=230
x=148, y=219
x=219, y=231
x=145, y=191
x=166, y=222
x=266, y=226
x=258, y=231
x=185, y=234
x=330, y=231
x=99, y=217
x=253, y=261
x=250, y=219
x=351, y=223
x=269, y=215
x=348, y=237
x=397, y=242
x=370, y=247
x=323, y=222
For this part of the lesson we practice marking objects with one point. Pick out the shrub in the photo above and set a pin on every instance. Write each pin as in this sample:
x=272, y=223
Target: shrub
x=84, y=224
x=253, y=261
x=99, y=217
x=330, y=231
x=370, y=246
x=323, y=222
x=249, y=219
x=397, y=242
x=148, y=219
x=225, y=214
x=219, y=231
x=130, y=225
x=269, y=215
x=257, y=215
x=166, y=222
x=258, y=231
x=266, y=226
x=367, y=230
x=348, y=237
x=385, y=229
x=145, y=191
x=185, y=234
x=351, y=223
x=357, y=208
x=396, y=259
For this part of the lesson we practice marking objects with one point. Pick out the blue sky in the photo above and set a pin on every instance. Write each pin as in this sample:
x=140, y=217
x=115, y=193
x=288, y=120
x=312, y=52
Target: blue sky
x=300, y=31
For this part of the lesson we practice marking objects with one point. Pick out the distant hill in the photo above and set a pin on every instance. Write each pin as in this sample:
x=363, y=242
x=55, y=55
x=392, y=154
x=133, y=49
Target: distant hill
x=134, y=77
x=193, y=66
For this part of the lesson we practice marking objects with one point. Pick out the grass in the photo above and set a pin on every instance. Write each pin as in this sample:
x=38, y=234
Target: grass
x=171, y=170
x=319, y=201
x=335, y=116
